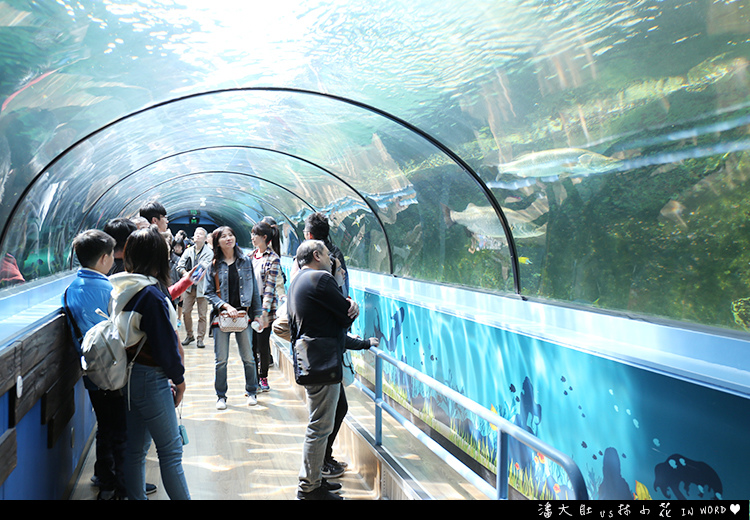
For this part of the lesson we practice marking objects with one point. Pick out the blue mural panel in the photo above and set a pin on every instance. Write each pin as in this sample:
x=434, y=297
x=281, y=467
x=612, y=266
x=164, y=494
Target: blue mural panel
x=634, y=432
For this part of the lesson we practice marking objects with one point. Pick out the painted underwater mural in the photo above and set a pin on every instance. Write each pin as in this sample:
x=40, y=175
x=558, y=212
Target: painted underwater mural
x=634, y=433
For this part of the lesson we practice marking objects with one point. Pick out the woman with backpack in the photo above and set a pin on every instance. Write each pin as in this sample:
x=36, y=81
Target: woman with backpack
x=143, y=308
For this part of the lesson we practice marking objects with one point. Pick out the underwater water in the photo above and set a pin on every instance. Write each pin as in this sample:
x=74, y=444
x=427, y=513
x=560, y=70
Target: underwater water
x=577, y=151
x=621, y=163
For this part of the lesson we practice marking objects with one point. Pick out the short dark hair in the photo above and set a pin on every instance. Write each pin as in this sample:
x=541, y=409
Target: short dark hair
x=317, y=225
x=151, y=210
x=146, y=253
x=306, y=249
x=91, y=245
x=120, y=229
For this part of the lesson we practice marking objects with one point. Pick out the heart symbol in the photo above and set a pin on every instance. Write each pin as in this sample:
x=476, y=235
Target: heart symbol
x=734, y=508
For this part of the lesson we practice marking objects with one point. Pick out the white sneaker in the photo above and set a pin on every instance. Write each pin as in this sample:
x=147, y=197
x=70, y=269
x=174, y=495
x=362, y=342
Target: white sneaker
x=252, y=400
x=221, y=403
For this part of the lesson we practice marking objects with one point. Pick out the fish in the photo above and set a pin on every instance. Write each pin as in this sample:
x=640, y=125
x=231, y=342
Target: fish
x=557, y=163
x=672, y=210
x=641, y=492
x=518, y=184
x=522, y=230
x=486, y=229
x=482, y=221
x=713, y=69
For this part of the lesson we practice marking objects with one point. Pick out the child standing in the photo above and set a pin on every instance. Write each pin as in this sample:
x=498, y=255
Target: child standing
x=88, y=292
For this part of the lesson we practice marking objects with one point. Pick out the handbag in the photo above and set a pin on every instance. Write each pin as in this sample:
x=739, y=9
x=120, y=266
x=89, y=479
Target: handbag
x=317, y=361
x=280, y=325
x=229, y=324
x=222, y=318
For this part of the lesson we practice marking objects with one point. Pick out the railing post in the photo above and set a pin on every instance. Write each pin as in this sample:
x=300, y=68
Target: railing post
x=378, y=400
x=501, y=485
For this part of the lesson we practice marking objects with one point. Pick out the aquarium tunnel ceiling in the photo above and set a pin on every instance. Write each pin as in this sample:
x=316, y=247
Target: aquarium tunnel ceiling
x=583, y=152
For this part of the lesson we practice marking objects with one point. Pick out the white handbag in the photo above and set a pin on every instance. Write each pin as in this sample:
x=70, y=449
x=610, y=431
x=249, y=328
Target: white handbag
x=228, y=324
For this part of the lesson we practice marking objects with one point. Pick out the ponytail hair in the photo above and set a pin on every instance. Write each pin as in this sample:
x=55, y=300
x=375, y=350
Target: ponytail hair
x=273, y=235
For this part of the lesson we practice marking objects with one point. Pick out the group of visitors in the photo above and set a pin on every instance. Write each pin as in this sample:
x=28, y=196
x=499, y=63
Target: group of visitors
x=318, y=306
x=151, y=281
x=125, y=272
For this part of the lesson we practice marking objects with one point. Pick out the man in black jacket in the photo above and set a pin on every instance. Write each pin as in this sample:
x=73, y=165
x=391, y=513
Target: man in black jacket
x=317, y=228
x=318, y=309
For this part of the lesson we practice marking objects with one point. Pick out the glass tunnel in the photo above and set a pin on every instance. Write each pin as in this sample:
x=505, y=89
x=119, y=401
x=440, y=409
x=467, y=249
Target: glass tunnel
x=578, y=152
x=583, y=154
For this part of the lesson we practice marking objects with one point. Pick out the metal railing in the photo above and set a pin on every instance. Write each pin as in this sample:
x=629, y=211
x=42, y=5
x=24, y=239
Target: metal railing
x=505, y=429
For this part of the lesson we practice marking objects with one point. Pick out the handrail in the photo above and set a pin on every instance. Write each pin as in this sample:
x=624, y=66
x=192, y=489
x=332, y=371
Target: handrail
x=505, y=428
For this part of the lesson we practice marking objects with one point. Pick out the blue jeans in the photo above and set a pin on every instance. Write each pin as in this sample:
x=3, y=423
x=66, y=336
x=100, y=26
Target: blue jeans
x=152, y=416
x=321, y=407
x=221, y=354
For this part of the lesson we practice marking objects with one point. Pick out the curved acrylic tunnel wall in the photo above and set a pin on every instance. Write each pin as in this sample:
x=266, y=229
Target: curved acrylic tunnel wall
x=583, y=153
x=381, y=184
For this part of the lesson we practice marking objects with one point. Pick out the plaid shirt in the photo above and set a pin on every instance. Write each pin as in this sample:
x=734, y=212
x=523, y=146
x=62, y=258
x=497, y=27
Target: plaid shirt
x=270, y=269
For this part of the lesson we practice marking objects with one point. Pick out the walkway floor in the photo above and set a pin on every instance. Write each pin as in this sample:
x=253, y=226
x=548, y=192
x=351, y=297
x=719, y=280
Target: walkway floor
x=241, y=453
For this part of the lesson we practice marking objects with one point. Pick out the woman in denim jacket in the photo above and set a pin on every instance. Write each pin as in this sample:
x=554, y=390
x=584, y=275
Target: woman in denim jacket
x=236, y=291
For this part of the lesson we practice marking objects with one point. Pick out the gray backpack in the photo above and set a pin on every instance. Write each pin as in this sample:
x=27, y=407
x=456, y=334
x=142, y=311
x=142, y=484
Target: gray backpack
x=104, y=360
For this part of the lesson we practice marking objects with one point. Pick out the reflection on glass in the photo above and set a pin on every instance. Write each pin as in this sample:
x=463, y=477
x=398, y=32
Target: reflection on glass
x=614, y=136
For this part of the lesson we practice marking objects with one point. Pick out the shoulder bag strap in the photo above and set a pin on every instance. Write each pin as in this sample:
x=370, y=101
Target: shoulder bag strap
x=76, y=329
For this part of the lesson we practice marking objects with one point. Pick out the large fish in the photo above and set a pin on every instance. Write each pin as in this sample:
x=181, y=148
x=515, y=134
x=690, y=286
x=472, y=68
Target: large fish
x=483, y=221
x=560, y=162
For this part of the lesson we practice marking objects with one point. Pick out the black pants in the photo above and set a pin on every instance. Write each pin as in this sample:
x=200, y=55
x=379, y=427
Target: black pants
x=111, y=437
x=342, y=407
x=262, y=351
